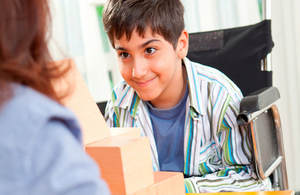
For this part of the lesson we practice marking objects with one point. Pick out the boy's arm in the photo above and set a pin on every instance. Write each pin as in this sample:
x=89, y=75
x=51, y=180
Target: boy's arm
x=235, y=172
x=234, y=180
x=232, y=176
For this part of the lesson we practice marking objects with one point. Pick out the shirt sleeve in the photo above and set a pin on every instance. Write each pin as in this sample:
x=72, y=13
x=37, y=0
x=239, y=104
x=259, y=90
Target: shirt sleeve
x=58, y=165
x=235, y=171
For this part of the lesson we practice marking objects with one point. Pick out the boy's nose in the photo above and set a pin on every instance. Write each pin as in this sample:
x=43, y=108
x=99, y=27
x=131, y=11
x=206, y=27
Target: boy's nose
x=139, y=69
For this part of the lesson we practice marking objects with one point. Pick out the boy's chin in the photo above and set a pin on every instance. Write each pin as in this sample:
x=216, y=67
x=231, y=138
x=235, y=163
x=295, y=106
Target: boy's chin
x=146, y=97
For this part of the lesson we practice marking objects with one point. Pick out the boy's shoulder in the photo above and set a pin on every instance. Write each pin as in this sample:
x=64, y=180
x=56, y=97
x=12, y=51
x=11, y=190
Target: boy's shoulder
x=123, y=93
x=205, y=71
x=212, y=76
x=121, y=88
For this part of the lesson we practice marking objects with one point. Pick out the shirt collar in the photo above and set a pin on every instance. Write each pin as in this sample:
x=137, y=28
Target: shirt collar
x=128, y=99
x=196, y=100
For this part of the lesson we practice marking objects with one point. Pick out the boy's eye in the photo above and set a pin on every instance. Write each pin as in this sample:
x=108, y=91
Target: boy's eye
x=150, y=50
x=124, y=55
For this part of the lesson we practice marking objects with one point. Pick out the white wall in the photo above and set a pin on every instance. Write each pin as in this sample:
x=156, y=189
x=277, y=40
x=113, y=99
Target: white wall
x=76, y=35
x=286, y=71
x=206, y=15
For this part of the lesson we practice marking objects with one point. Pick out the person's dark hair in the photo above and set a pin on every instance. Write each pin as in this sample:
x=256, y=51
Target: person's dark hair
x=164, y=17
x=24, y=55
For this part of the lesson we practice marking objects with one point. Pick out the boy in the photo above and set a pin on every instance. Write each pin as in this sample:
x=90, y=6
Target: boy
x=187, y=110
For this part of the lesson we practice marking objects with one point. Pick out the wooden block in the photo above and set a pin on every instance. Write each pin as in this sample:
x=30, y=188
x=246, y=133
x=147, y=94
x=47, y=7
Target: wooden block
x=80, y=101
x=150, y=190
x=165, y=183
x=125, y=163
x=132, y=132
x=169, y=183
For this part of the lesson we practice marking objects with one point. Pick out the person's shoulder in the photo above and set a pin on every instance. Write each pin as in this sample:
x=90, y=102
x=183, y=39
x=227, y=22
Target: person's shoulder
x=120, y=86
x=205, y=71
x=214, y=76
x=122, y=89
x=123, y=95
x=31, y=101
x=27, y=112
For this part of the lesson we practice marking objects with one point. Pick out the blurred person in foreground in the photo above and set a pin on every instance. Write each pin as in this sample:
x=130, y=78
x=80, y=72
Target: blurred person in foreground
x=40, y=140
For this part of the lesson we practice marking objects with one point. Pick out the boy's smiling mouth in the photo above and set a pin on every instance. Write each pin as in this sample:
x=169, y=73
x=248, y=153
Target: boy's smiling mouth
x=144, y=83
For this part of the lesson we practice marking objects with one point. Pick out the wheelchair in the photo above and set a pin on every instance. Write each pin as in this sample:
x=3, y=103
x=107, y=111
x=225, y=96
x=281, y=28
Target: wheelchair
x=240, y=53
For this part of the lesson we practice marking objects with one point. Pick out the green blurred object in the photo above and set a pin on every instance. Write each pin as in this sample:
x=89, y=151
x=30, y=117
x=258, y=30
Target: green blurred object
x=104, y=38
x=260, y=8
x=105, y=41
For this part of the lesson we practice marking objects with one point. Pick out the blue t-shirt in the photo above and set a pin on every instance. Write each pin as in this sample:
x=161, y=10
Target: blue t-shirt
x=41, y=150
x=168, y=127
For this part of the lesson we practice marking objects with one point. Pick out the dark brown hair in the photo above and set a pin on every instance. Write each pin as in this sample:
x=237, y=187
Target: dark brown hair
x=164, y=17
x=24, y=55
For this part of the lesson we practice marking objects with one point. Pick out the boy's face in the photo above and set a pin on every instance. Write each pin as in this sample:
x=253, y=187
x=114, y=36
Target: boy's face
x=152, y=67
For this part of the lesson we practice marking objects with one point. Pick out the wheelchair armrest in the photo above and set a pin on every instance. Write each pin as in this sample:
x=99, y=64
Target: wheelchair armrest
x=256, y=103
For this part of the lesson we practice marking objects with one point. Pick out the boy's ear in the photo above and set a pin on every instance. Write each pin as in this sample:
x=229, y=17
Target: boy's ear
x=183, y=44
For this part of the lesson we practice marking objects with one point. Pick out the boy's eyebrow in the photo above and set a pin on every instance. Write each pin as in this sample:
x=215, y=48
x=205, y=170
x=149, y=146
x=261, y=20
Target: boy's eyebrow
x=140, y=46
x=147, y=43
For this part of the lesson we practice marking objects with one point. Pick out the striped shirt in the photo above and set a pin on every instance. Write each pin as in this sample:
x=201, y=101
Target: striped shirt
x=217, y=152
